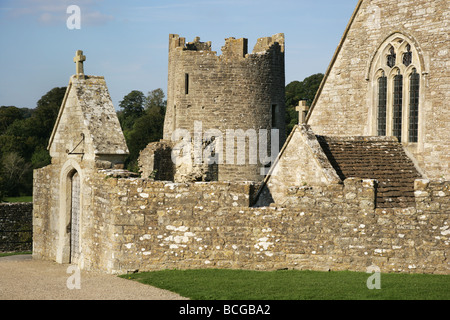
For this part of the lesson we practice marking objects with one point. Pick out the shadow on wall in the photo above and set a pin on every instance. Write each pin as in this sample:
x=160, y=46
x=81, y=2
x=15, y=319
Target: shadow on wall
x=263, y=197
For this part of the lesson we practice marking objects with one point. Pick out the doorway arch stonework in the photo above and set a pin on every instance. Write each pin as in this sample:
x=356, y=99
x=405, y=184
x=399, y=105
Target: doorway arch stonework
x=70, y=205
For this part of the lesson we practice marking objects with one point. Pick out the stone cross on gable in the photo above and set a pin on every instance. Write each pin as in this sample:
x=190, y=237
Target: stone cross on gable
x=78, y=59
x=302, y=110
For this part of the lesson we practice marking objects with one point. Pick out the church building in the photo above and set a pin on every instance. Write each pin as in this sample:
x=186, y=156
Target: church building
x=390, y=76
x=381, y=111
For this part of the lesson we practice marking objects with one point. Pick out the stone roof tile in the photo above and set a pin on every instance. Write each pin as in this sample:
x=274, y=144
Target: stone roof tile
x=380, y=158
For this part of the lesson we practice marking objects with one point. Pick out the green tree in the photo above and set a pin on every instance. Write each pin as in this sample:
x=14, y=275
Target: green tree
x=41, y=157
x=2, y=188
x=132, y=108
x=44, y=116
x=146, y=129
x=155, y=98
x=27, y=134
x=300, y=90
x=14, y=170
x=24, y=137
x=142, y=120
x=8, y=115
x=11, y=143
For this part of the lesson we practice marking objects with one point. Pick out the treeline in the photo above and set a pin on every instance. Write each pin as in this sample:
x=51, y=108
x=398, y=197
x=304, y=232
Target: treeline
x=24, y=132
x=24, y=135
x=300, y=90
x=142, y=120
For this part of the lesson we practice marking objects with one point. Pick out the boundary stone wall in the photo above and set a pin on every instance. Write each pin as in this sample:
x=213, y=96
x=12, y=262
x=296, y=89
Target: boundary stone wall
x=140, y=224
x=16, y=228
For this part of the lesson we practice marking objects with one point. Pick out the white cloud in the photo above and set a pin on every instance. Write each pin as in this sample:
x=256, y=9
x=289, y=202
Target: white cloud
x=46, y=18
x=95, y=18
x=52, y=12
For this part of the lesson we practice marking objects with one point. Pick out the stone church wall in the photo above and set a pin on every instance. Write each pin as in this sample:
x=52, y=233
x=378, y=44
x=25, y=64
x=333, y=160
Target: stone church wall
x=343, y=106
x=140, y=224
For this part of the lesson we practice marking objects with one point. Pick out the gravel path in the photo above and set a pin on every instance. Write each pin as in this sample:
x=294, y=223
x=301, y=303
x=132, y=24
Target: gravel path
x=22, y=278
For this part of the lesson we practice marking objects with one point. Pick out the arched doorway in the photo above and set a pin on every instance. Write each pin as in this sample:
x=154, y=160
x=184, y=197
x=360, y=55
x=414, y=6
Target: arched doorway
x=70, y=214
x=75, y=217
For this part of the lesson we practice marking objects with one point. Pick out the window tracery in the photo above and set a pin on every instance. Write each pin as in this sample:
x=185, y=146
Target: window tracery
x=396, y=83
x=407, y=56
x=391, y=58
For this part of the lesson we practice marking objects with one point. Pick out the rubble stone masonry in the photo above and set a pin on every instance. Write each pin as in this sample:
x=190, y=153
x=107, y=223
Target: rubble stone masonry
x=234, y=91
x=134, y=224
x=16, y=226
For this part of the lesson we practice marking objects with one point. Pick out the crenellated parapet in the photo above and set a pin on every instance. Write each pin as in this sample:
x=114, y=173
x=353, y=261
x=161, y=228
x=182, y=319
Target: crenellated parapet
x=235, y=90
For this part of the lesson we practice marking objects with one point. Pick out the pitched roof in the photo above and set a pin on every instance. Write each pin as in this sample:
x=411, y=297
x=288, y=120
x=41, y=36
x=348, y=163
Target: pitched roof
x=99, y=115
x=381, y=158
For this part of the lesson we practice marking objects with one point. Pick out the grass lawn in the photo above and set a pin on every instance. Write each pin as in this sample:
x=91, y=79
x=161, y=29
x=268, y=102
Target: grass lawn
x=212, y=284
x=19, y=199
x=5, y=254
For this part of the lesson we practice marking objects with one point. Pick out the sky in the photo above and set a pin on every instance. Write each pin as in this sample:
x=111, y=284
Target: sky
x=127, y=41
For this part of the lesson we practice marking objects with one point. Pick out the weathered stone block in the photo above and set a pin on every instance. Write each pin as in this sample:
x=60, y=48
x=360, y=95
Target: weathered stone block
x=421, y=184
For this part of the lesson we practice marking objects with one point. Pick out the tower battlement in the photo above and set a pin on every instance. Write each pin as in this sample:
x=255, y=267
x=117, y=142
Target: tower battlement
x=236, y=90
x=232, y=47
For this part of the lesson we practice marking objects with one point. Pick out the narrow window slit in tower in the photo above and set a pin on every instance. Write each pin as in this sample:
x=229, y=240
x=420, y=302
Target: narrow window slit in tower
x=186, y=83
x=274, y=116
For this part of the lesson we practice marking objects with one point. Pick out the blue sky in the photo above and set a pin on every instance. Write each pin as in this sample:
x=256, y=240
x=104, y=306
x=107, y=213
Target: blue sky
x=127, y=41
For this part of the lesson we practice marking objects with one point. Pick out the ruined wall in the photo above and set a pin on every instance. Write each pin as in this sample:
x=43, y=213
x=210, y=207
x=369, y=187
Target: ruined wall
x=235, y=90
x=345, y=103
x=139, y=224
x=155, y=161
x=45, y=213
x=335, y=228
x=16, y=227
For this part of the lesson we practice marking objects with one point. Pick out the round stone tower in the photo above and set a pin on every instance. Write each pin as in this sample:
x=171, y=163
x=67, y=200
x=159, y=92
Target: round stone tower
x=232, y=103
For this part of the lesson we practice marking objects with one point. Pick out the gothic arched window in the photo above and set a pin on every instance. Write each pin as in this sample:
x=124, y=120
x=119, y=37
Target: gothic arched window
x=382, y=102
x=414, y=87
x=396, y=85
x=398, y=106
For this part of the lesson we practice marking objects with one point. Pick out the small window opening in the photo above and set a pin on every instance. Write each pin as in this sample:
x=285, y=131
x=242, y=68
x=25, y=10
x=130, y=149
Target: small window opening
x=274, y=116
x=397, y=106
x=186, y=83
x=382, y=101
x=414, y=106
